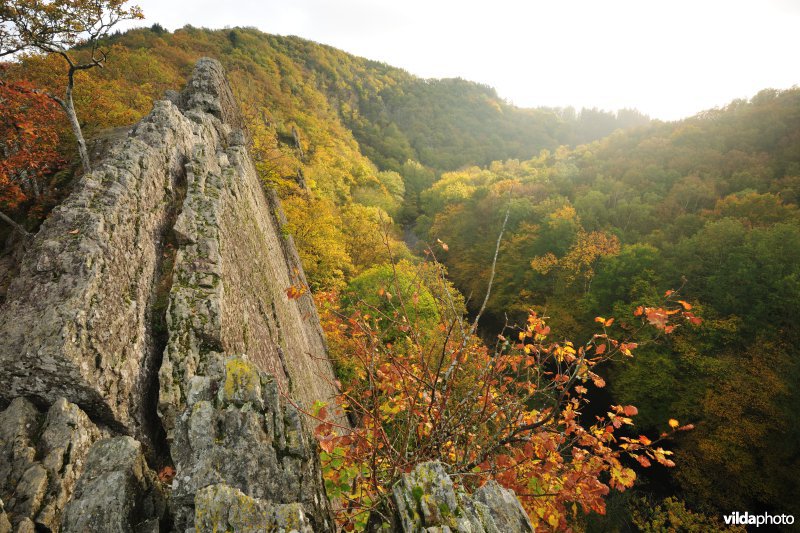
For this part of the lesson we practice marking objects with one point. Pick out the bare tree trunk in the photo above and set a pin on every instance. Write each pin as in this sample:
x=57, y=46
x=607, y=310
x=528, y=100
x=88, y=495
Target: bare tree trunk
x=31, y=186
x=69, y=108
x=13, y=224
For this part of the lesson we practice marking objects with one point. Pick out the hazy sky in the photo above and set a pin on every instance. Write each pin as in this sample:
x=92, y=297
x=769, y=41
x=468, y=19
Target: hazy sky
x=669, y=59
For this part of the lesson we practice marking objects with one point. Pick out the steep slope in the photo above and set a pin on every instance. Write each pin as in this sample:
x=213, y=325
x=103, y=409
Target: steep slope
x=394, y=116
x=332, y=99
x=124, y=414
x=324, y=125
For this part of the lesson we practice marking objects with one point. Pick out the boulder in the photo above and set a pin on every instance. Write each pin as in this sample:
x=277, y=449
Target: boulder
x=426, y=500
x=42, y=455
x=117, y=493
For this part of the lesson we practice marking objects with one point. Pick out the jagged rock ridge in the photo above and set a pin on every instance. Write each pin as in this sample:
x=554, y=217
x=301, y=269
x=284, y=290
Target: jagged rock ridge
x=82, y=306
x=130, y=304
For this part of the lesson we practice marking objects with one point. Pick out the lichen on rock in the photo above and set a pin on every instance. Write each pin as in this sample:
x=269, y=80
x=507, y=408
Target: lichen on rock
x=222, y=508
x=426, y=500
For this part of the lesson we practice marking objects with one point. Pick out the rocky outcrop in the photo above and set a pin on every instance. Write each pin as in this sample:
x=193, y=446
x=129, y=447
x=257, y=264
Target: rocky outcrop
x=78, y=320
x=119, y=335
x=239, y=434
x=222, y=508
x=427, y=501
x=233, y=267
x=117, y=491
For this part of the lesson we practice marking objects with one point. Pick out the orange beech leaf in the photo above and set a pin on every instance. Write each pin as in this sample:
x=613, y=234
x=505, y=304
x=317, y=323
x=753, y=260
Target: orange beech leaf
x=327, y=445
x=657, y=317
x=626, y=348
x=600, y=349
x=166, y=474
x=294, y=292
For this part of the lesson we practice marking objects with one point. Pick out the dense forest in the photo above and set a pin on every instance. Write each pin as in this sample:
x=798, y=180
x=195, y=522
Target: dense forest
x=707, y=204
x=600, y=213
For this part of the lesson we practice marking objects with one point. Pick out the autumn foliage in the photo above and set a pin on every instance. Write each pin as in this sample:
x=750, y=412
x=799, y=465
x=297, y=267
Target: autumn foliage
x=29, y=139
x=512, y=412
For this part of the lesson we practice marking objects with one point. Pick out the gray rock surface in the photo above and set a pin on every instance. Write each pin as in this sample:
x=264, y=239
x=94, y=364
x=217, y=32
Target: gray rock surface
x=5, y=523
x=239, y=431
x=504, y=508
x=233, y=266
x=427, y=501
x=222, y=508
x=76, y=321
x=117, y=493
x=42, y=455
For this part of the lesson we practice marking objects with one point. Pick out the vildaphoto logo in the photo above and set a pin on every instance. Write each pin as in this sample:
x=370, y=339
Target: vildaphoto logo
x=765, y=519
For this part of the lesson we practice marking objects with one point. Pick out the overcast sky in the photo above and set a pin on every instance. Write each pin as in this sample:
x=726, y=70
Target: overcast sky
x=669, y=59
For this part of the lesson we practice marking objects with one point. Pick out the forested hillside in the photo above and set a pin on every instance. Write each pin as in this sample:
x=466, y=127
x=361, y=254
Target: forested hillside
x=333, y=117
x=708, y=204
x=371, y=163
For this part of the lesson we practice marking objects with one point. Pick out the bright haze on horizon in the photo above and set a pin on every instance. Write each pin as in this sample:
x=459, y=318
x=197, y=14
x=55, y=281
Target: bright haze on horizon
x=666, y=59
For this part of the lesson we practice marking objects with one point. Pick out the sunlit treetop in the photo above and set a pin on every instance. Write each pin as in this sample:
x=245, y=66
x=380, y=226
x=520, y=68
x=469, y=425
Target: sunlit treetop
x=55, y=26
